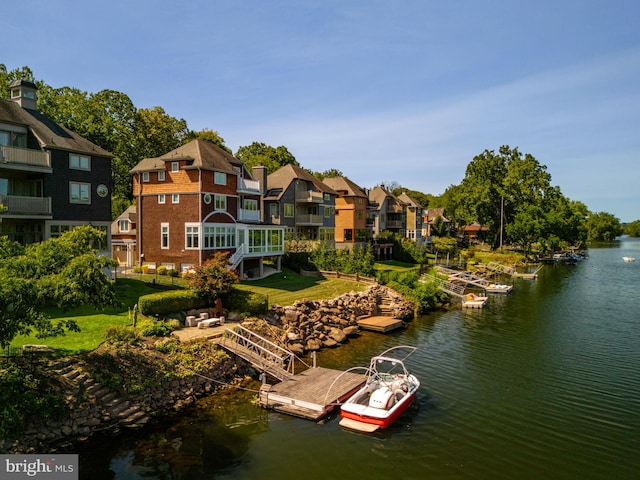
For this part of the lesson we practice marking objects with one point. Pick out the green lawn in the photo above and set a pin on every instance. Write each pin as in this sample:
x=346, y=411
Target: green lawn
x=286, y=287
x=92, y=323
x=282, y=288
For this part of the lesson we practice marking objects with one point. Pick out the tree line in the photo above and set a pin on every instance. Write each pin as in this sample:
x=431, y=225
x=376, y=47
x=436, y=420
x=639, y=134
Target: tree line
x=506, y=191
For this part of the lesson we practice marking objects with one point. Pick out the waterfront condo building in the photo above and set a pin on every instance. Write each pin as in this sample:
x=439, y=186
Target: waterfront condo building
x=197, y=200
x=51, y=179
x=351, y=213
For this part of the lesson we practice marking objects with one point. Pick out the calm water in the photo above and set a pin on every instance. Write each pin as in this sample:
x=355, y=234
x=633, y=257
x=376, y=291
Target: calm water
x=542, y=383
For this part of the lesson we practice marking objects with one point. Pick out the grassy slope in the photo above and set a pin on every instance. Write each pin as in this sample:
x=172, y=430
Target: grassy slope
x=282, y=288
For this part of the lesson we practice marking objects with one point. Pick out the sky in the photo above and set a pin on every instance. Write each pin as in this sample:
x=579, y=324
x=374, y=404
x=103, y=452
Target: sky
x=404, y=91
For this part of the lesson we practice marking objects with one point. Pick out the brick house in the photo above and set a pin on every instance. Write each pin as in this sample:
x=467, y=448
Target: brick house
x=197, y=200
x=51, y=179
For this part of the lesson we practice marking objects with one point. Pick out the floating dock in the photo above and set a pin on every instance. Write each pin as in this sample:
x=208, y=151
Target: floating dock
x=499, y=288
x=307, y=394
x=380, y=323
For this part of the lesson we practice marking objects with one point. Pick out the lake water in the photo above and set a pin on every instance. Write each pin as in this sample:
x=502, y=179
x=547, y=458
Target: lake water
x=542, y=383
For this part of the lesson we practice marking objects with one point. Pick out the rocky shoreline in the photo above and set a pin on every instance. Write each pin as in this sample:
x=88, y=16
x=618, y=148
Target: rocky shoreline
x=95, y=408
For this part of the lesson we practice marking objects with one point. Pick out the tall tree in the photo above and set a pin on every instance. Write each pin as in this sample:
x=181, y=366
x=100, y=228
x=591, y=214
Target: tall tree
x=208, y=135
x=261, y=154
x=603, y=226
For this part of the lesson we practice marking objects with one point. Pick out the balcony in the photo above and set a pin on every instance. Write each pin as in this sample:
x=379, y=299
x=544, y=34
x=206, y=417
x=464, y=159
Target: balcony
x=25, y=206
x=248, y=186
x=245, y=215
x=24, y=159
x=393, y=224
x=308, y=219
x=308, y=196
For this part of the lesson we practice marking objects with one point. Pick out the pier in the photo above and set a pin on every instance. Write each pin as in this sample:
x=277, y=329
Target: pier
x=311, y=394
x=380, y=323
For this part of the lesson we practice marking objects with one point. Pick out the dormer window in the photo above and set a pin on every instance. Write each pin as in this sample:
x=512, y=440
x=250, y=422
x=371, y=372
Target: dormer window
x=175, y=166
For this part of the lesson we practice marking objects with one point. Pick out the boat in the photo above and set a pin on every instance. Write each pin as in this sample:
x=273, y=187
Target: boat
x=387, y=392
x=471, y=300
x=629, y=259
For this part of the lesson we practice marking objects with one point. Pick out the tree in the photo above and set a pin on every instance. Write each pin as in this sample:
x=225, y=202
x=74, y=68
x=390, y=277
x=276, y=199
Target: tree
x=603, y=227
x=8, y=77
x=261, y=154
x=212, y=279
x=331, y=173
x=208, y=135
x=633, y=229
x=62, y=271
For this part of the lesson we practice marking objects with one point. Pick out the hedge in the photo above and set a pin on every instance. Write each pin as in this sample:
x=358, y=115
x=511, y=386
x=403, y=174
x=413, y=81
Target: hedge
x=171, y=301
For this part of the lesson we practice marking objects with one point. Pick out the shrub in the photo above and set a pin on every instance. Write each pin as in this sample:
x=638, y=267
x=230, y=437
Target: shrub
x=145, y=269
x=156, y=328
x=162, y=270
x=137, y=269
x=121, y=334
x=245, y=302
x=164, y=303
x=173, y=272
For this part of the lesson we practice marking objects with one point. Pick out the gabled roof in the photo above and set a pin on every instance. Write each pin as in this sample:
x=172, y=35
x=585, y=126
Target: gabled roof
x=199, y=154
x=404, y=197
x=344, y=187
x=379, y=195
x=279, y=181
x=433, y=213
x=48, y=133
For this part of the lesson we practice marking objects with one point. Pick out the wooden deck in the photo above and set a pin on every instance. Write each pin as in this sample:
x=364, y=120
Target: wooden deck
x=307, y=395
x=380, y=323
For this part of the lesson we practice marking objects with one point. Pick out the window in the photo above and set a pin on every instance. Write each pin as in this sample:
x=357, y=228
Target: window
x=123, y=225
x=218, y=236
x=192, y=236
x=273, y=210
x=164, y=235
x=288, y=210
x=162, y=198
x=348, y=234
x=79, y=192
x=175, y=198
x=145, y=176
x=220, y=178
x=79, y=162
x=250, y=204
x=220, y=202
x=327, y=197
x=327, y=212
x=161, y=176
x=175, y=166
x=13, y=139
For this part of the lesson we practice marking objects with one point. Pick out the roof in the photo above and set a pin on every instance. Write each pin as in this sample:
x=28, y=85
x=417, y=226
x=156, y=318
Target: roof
x=344, y=187
x=475, y=227
x=279, y=181
x=433, y=213
x=406, y=198
x=49, y=134
x=379, y=195
x=202, y=154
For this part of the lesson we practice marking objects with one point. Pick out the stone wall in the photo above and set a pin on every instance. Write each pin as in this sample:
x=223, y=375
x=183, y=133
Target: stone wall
x=311, y=325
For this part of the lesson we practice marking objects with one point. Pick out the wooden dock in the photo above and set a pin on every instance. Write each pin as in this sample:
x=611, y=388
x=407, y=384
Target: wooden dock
x=311, y=394
x=380, y=323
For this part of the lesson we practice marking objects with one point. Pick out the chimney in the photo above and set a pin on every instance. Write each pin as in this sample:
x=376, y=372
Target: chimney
x=259, y=174
x=24, y=93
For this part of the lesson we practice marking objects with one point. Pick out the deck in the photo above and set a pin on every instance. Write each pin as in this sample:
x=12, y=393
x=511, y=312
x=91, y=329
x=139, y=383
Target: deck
x=310, y=394
x=379, y=323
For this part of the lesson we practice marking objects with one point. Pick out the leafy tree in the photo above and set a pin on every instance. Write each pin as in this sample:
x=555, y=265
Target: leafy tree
x=331, y=173
x=8, y=77
x=208, y=135
x=212, y=279
x=603, y=226
x=261, y=154
x=633, y=229
x=64, y=271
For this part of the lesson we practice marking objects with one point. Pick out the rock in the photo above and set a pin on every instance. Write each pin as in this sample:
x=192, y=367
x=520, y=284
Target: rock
x=338, y=335
x=351, y=331
x=313, y=344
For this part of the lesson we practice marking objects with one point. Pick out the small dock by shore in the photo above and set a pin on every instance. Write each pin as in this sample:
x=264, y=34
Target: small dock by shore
x=380, y=323
x=311, y=394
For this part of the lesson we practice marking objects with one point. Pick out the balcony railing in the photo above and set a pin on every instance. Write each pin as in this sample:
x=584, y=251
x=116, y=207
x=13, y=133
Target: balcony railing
x=25, y=205
x=252, y=186
x=245, y=215
x=24, y=156
x=309, y=197
x=308, y=219
x=393, y=224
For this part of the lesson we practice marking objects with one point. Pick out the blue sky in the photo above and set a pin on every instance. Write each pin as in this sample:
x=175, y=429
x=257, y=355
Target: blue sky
x=405, y=91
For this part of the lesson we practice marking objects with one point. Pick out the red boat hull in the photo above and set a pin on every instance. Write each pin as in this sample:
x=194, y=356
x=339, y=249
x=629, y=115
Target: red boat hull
x=382, y=422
